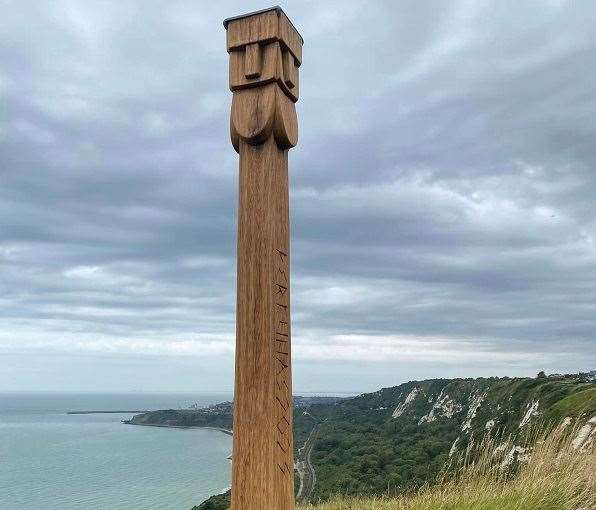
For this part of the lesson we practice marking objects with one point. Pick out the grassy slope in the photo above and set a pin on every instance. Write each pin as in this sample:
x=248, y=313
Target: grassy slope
x=581, y=403
x=555, y=478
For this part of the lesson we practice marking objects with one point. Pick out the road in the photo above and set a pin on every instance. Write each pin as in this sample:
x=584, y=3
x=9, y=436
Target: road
x=306, y=470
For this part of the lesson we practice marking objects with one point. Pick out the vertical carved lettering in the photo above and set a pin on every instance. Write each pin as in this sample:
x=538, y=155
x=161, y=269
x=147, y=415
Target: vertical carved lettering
x=281, y=360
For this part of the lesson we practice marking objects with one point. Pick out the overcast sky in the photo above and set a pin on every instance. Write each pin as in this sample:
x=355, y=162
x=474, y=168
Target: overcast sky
x=443, y=193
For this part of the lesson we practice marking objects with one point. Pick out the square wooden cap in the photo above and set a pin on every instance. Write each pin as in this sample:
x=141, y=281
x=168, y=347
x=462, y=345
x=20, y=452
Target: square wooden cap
x=264, y=26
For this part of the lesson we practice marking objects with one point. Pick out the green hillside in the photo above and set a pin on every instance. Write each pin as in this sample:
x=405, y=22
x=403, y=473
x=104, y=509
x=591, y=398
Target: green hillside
x=399, y=438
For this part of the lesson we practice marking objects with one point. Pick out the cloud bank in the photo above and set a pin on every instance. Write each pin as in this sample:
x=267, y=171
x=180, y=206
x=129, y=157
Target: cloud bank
x=442, y=192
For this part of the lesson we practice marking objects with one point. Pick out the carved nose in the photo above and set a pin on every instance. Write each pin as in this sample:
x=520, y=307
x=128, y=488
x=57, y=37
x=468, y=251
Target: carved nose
x=290, y=71
x=252, y=61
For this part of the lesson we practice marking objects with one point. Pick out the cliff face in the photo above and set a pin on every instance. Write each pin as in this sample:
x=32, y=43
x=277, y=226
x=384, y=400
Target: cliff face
x=475, y=406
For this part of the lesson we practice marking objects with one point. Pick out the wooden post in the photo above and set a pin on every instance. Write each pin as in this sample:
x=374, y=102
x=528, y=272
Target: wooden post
x=265, y=52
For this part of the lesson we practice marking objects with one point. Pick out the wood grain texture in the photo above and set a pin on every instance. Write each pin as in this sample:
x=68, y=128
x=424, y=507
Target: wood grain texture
x=263, y=468
x=271, y=25
x=276, y=65
x=261, y=112
x=263, y=49
x=252, y=61
x=289, y=70
x=263, y=126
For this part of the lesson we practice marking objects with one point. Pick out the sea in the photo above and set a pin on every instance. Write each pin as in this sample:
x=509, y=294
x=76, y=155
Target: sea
x=52, y=460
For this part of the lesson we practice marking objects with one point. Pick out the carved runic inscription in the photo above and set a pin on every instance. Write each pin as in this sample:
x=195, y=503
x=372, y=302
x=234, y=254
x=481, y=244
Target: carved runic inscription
x=265, y=55
x=282, y=356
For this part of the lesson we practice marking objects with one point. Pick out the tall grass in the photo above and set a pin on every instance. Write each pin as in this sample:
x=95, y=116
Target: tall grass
x=555, y=477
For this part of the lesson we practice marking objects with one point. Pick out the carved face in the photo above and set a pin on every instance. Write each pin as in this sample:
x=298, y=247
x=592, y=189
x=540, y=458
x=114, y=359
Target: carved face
x=257, y=64
x=265, y=54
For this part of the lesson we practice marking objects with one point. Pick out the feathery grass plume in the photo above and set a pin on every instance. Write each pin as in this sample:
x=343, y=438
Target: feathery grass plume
x=553, y=475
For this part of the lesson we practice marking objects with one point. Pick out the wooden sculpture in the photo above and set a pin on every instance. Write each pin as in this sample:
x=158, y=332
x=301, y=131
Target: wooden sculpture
x=265, y=53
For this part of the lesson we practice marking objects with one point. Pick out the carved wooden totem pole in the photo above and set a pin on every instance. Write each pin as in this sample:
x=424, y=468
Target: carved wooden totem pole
x=265, y=52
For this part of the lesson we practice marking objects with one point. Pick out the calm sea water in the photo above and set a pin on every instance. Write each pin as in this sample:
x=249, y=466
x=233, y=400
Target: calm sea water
x=55, y=461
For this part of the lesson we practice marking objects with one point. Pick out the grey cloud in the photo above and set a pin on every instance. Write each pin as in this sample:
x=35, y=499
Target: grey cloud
x=443, y=186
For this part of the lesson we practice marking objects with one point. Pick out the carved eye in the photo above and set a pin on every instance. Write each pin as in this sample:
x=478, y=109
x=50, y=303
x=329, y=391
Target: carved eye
x=290, y=70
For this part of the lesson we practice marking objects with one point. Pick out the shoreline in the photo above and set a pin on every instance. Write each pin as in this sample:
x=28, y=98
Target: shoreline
x=104, y=412
x=218, y=429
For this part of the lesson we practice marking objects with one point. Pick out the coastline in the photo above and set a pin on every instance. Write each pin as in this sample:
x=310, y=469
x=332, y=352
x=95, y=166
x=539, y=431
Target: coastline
x=163, y=425
x=104, y=412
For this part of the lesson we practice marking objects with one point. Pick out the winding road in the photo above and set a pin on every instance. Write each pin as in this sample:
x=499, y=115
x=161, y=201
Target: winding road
x=306, y=470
